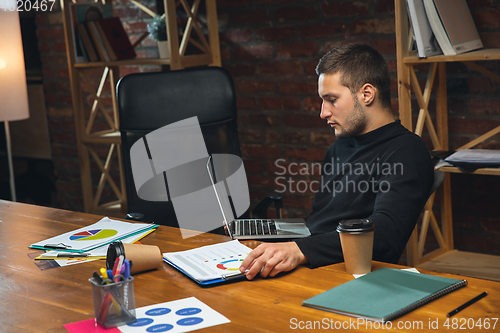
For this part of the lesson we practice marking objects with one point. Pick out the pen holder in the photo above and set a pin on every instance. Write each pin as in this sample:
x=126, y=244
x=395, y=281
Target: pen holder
x=114, y=303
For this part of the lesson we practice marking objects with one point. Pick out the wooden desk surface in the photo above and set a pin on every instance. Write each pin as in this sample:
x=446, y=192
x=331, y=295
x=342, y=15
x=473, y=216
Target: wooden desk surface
x=32, y=300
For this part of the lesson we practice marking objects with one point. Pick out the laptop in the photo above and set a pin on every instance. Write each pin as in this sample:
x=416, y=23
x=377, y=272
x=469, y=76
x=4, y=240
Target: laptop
x=260, y=229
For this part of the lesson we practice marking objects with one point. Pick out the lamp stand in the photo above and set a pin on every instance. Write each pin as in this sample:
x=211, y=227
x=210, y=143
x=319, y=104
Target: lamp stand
x=9, y=158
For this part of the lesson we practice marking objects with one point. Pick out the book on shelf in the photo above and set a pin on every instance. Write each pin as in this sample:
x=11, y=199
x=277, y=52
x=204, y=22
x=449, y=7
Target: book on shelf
x=105, y=41
x=453, y=25
x=427, y=45
x=80, y=13
x=103, y=54
x=87, y=45
x=117, y=38
x=384, y=295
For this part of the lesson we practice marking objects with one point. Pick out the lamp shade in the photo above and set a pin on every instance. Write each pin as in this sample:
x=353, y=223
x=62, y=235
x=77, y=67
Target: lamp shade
x=13, y=89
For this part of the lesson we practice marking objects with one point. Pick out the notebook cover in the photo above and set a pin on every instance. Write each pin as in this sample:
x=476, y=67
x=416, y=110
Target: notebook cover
x=384, y=295
x=117, y=38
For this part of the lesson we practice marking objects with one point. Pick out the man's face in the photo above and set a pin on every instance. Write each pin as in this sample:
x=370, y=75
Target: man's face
x=341, y=109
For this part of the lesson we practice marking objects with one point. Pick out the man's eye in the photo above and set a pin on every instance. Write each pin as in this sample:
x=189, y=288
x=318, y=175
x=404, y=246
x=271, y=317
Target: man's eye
x=332, y=101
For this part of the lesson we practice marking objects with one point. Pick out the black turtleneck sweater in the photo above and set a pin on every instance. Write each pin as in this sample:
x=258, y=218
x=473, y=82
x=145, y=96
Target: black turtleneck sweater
x=384, y=175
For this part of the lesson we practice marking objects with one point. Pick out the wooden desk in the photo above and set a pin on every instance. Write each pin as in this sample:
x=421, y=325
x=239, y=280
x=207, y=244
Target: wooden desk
x=32, y=300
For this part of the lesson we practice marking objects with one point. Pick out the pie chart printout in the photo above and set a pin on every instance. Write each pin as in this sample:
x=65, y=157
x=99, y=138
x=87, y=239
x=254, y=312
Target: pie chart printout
x=96, y=234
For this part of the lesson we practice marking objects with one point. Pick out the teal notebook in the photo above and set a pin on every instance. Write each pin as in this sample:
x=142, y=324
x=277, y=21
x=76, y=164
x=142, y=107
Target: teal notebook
x=384, y=295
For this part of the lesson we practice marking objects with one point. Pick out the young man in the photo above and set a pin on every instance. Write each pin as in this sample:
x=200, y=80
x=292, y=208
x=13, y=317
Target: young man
x=376, y=169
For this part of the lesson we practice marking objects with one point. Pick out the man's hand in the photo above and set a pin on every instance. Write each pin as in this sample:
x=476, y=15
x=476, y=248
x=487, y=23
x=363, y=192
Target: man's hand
x=271, y=258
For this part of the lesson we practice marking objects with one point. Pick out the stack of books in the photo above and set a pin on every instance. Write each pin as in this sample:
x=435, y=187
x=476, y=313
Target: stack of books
x=97, y=36
x=442, y=27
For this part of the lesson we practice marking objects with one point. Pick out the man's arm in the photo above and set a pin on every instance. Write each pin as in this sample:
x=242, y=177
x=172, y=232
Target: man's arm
x=271, y=258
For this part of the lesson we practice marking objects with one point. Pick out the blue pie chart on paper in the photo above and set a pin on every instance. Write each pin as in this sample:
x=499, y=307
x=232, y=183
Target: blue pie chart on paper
x=141, y=322
x=187, y=311
x=189, y=321
x=160, y=328
x=158, y=312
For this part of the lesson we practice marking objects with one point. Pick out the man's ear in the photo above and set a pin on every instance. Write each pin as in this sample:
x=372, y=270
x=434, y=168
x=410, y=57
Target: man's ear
x=367, y=94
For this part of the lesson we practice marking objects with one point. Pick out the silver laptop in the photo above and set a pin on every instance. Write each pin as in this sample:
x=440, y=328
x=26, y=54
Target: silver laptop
x=268, y=229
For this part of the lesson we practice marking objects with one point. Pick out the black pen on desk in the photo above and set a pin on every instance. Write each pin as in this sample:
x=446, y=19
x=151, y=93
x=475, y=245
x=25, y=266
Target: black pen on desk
x=463, y=306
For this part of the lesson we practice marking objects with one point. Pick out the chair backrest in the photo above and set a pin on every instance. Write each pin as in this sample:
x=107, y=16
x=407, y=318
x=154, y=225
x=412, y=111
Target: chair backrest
x=148, y=101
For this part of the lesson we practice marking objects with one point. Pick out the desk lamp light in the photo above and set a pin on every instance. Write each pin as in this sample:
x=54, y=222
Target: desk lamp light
x=13, y=89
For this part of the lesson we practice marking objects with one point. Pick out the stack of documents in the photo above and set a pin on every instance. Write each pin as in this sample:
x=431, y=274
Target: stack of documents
x=471, y=159
x=94, y=237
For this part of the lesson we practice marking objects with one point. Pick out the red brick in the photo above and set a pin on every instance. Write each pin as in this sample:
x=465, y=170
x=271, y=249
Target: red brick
x=487, y=19
x=126, y=12
x=261, y=151
x=262, y=181
x=136, y=26
x=245, y=69
x=253, y=52
x=63, y=138
x=268, y=2
x=260, y=119
x=298, y=88
x=483, y=107
x=280, y=68
x=254, y=166
x=295, y=14
x=288, y=137
x=323, y=30
x=347, y=8
x=385, y=7
x=232, y=3
x=248, y=135
x=50, y=33
x=246, y=103
x=313, y=104
x=303, y=121
x=372, y=26
x=275, y=33
x=286, y=167
x=279, y=103
x=254, y=86
x=250, y=17
x=322, y=138
x=483, y=85
x=385, y=46
x=297, y=50
x=235, y=36
x=472, y=126
x=309, y=154
x=310, y=66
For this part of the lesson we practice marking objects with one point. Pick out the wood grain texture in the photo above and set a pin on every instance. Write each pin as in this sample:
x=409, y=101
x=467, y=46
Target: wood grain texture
x=32, y=300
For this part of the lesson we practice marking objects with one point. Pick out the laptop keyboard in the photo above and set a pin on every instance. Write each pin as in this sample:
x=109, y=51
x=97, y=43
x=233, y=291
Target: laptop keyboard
x=255, y=227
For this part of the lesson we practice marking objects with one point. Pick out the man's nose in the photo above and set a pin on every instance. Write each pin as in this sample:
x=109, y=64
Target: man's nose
x=325, y=113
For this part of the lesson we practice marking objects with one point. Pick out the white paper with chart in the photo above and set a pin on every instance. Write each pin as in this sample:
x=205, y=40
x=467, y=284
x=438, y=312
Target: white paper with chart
x=210, y=262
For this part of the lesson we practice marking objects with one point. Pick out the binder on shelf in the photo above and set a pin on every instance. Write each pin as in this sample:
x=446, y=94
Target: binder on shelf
x=384, y=295
x=117, y=38
x=453, y=26
x=87, y=43
x=427, y=45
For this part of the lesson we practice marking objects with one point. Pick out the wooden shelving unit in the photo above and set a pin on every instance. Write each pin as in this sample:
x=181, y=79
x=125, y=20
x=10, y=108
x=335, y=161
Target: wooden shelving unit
x=408, y=83
x=91, y=141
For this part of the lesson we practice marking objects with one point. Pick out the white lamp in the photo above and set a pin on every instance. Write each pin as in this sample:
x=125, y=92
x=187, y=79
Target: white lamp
x=13, y=89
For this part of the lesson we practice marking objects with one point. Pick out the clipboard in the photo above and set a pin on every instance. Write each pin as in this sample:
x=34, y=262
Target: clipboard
x=210, y=264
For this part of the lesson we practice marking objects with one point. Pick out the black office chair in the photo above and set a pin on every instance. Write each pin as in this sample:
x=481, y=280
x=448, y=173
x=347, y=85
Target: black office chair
x=148, y=101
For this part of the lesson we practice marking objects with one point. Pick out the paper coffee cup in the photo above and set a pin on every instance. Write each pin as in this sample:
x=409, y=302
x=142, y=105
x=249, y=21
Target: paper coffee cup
x=143, y=257
x=356, y=239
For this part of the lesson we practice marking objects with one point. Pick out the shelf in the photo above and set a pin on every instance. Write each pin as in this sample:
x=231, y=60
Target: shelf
x=482, y=171
x=482, y=266
x=479, y=55
x=89, y=94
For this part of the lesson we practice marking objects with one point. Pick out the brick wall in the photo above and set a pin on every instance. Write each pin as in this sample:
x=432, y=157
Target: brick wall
x=271, y=48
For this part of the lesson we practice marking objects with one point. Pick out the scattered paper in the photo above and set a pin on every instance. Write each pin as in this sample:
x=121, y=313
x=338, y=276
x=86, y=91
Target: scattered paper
x=413, y=269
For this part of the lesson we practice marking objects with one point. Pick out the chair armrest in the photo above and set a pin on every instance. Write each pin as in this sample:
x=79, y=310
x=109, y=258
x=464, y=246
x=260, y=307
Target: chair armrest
x=260, y=211
x=134, y=216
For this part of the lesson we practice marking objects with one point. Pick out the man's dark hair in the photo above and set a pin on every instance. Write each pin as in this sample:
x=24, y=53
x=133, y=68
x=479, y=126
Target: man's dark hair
x=358, y=64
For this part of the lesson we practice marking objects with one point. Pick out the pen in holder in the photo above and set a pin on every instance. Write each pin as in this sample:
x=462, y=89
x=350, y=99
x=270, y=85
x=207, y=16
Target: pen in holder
x=114, y=303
